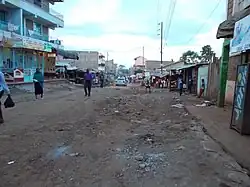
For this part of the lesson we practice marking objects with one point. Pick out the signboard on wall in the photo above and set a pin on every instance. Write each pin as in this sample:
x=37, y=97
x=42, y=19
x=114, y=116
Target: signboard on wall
x=241, y=39
x=238, y=110
x=29, y=43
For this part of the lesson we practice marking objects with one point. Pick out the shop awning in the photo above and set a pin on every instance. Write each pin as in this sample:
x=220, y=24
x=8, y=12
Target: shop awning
x=226, y=28
x=67, y=54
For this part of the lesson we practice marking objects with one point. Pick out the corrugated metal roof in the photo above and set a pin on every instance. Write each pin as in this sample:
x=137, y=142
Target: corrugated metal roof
x=186, y=66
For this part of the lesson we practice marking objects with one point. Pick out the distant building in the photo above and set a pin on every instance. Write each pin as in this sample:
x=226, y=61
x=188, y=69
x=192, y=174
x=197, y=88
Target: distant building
x=101, y=63
x=139, y=63
x=110, y=66
x=87, y=59
x=25, y=43
x=151, y=65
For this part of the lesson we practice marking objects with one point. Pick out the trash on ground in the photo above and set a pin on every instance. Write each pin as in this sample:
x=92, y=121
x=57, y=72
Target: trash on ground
x=178, y=106
x=201, y=105
x=11, y=162
x=74, y=154
x=179, y=148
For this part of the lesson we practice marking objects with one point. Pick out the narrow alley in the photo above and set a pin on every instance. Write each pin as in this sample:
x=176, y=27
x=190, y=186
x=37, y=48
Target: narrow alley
x=119, y=137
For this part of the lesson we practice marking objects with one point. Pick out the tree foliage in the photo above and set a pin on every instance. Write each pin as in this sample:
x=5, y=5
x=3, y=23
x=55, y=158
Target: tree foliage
x=190, y=57
x=121, y=66
x=138, y=71
x=206, y=53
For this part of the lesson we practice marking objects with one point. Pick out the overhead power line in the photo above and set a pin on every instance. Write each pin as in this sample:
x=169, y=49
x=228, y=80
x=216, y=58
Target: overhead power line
x=209, y=16
x=169, y=21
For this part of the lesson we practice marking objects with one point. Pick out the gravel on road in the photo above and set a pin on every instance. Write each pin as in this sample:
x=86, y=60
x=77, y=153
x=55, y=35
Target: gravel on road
x=115, y=138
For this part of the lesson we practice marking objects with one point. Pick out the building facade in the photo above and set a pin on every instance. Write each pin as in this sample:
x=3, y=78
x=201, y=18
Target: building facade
x=87, y=59
x=139, y=64
x=110, y=66
x=236, y=10
x=24, y=36
x=151, y=65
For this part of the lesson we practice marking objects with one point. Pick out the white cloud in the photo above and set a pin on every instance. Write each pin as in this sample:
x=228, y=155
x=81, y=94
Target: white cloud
x=123, y=47
x=94, y=11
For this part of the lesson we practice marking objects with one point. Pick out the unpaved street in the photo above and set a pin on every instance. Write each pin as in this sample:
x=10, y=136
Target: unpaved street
x=116, y=138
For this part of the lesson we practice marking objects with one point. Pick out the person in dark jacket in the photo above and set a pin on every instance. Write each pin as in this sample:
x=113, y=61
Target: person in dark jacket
x=3, y=88
x=38, y=80
x=87, y=83
x=101, y=79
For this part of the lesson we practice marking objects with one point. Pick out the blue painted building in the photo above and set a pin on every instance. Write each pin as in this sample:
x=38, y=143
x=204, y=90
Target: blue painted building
x=24, y=35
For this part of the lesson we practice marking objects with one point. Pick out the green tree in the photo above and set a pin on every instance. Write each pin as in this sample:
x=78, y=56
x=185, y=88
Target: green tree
x=138, y=71
x=190, y=57
x=206, y=53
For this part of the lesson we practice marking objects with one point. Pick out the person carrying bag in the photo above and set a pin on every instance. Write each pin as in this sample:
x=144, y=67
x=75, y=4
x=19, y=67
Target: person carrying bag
x=8, y=102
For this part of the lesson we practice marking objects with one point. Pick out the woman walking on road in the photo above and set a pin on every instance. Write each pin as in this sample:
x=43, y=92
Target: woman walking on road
x=38, y=83
x=3, y=88
x=87, y=83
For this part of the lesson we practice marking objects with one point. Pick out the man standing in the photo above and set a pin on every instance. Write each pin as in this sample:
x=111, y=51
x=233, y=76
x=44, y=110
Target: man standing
x=202, y=89
x=180, y=85
x=87, y=83
x=3, y=88
x=101, y=79
x=190, y=84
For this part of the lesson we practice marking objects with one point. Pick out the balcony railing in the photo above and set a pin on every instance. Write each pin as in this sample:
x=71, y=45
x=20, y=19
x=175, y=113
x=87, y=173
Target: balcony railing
x=7, y=26
x=35, y=35
x=45, y=7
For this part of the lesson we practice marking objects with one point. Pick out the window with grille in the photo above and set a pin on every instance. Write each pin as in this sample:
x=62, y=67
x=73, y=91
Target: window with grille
x=2, y=16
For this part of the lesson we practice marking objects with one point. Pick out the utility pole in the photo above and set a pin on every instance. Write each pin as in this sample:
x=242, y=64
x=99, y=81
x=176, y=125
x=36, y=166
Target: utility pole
x=161, y=46
x=143, y=62
x=161, y=35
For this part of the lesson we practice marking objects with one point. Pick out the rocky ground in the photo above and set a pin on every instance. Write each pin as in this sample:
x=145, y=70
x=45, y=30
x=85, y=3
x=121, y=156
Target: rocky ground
x=119, y=137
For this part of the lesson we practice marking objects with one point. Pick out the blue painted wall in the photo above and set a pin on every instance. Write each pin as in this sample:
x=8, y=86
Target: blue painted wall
x=16, y=18
x=202, y=74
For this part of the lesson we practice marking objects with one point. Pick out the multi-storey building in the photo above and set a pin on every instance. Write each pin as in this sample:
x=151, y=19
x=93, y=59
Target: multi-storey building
x=110, y=66
x=233, y=55
x=87, y=59
x=151, y=65
x=24, y=35
x=139, y=63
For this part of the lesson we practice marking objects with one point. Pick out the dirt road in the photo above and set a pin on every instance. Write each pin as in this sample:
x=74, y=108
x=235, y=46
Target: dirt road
x=116, y=138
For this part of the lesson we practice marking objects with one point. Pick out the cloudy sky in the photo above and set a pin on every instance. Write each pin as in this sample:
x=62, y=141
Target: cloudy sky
x=123, y=27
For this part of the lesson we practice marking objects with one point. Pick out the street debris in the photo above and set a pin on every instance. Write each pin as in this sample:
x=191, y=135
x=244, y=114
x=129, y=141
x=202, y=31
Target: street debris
x=11, y=162
x=179, y=148
x=74, y=154
x=205, y=103
x=127, y=138
x=178, y=106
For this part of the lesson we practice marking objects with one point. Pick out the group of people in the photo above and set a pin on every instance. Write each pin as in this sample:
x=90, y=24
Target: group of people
x=38, y=80
x=161, y=83
x=182, y=85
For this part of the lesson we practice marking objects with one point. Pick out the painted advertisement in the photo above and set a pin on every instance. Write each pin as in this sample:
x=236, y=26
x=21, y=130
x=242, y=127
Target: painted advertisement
x=239, y=95
x=241, y=39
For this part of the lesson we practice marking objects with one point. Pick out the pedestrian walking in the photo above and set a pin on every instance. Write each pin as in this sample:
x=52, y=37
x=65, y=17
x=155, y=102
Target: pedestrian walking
x=3, y=88
x=87, y=83
x=190, y=84
x=101, y=79
x=148, y=86
x=180, y=85
x=202, y=89
x=38, y=80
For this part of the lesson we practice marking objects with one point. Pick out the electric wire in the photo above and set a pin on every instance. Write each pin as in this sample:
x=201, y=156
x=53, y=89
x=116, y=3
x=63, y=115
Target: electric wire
x=201, y=27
